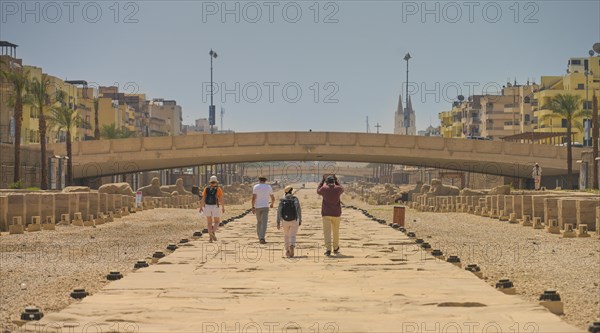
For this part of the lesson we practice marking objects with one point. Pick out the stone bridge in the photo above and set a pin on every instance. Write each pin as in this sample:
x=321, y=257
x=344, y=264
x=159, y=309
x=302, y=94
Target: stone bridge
x=109, y=157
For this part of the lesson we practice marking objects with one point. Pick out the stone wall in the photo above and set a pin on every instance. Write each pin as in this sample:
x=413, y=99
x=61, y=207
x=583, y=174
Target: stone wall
x=54, y=204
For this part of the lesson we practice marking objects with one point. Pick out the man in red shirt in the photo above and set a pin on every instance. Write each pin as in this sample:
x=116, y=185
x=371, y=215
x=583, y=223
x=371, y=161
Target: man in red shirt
x=331, y=210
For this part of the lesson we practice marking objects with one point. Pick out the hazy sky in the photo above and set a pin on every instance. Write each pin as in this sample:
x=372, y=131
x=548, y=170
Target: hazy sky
x=302, y=65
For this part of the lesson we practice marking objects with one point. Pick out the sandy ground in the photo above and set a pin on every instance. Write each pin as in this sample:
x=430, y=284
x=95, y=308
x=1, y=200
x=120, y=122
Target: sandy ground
x=43, y=268
x=534, y=260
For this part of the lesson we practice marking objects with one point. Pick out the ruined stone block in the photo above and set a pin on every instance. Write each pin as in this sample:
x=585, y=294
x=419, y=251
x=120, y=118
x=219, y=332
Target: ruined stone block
x=553, y=227
x=49, y=223
x=17, y=226
x=35, y=225
x=550, y=208
x=526, y=221
x=568, y=232
x=32, y=206
x=77, y=219
x=4, y=213
x=586, y=213
x=94, y=203
x=567, y=212
x=537, y=223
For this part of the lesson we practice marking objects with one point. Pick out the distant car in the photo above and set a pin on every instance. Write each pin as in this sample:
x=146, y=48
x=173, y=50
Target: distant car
x=573, y=144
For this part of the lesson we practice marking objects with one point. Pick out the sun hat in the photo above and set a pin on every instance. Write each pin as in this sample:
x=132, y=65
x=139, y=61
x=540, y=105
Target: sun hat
x=213, y=179
x=288, y=189
x=262, y=177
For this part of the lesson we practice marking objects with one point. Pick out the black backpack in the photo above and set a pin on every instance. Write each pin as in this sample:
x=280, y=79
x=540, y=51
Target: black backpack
x=211, y=195
x=288, y=209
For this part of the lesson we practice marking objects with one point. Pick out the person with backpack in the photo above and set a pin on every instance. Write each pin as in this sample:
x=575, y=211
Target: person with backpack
x=331, y=210
x=289, y=211
x=261, y=193
x=212, y=206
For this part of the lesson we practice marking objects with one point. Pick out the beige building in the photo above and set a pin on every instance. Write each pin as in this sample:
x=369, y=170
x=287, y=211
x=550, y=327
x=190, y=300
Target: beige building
x=492, y=116
x=509, y=113
x=170, y=112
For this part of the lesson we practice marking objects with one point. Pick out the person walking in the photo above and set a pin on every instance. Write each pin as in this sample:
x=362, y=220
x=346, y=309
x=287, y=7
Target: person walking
x=262, y=200
x=331, y=211
x=537, y=176
x=290, y=212
x=211, y=203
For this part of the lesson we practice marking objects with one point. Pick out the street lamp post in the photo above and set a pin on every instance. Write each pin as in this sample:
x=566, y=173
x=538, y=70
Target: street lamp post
x=586, y=121
x=406, y=115
x=211, y=108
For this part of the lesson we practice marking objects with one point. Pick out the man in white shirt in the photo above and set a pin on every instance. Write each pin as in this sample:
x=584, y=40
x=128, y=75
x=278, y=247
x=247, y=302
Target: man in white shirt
x=261, y=193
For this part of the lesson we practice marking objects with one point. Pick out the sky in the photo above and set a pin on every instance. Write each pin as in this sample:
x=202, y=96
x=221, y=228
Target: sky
x=300, y=65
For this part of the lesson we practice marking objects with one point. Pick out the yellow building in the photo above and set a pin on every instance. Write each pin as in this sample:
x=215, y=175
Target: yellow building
x=574, y=83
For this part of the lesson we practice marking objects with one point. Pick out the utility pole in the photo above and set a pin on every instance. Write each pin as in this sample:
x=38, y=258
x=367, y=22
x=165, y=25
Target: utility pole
x=368, y=129
x=377, y=126
x=406, y=114
x=595, y=141
x=211, y=108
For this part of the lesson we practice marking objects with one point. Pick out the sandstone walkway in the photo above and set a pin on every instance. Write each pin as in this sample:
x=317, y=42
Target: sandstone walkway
x=380, y=283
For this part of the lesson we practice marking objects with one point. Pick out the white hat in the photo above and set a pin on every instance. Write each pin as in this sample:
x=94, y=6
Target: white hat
x=213, y=179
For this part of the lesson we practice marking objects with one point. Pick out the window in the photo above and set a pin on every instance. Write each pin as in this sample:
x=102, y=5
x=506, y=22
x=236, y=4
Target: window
x=563, y=123
x=575, y=62
x=587, y=105
x=580, y=86
x=527, y=117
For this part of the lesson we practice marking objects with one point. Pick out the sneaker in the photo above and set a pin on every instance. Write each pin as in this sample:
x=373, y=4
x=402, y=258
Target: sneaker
x=291, y=251
x=262, y=241
x=336, y=250
x=327, y=253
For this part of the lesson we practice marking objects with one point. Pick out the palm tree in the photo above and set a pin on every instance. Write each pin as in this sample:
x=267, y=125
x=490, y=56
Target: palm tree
x=112, y=132
x=20, y=82
x=96, y=120
x=568, y=107
x=64, y=117
x=41, y=99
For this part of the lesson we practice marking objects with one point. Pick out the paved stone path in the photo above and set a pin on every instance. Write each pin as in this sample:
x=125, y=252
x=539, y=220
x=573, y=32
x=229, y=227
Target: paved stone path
x=380, y=283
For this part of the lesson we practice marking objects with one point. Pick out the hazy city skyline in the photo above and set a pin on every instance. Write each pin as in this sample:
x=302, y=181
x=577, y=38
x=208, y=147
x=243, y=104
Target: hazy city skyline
x=346, y=57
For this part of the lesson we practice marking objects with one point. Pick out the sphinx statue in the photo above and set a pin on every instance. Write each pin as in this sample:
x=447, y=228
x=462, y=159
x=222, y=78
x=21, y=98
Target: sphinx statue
x=153, y=190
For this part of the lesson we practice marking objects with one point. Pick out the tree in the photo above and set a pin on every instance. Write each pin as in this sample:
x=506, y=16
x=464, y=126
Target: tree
x=64, y=117
x=41, y=99
x=112, y=132
x=96, y=118
x=568, y=107
x=18, y=78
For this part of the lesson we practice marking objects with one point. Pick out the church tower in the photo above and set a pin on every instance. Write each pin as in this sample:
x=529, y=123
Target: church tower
x=405, y=116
